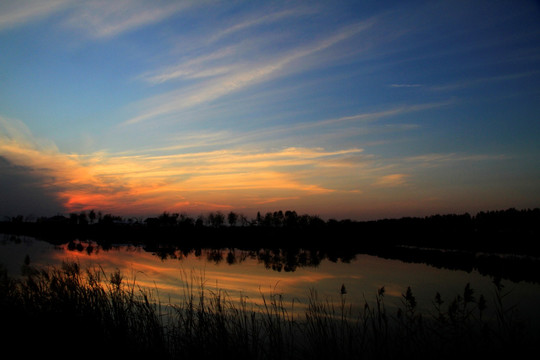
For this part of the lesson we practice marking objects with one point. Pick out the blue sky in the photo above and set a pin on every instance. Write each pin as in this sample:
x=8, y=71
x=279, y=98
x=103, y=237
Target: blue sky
x=343, y=109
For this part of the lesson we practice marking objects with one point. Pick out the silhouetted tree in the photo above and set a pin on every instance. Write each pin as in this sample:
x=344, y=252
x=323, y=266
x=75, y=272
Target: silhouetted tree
x=268, y=219
x=316, y=221
x=17, y=219
x=73, y=218
x=216, y=219
x=291, y=218
x=186, y=220
x=232, y=218
x=110, y=219
x=231, y=258
x=278, y=218
x=83, y=219
x=199, y=223
x=244, y=220
x=92, y=216
x=304, y=220
x=167, y=219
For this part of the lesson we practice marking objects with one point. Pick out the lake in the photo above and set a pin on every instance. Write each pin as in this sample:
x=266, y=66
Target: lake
x=254, y=274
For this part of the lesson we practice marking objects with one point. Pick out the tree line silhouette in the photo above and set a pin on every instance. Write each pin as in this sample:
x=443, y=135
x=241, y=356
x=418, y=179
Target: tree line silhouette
x=285, y=240
x=509, y=231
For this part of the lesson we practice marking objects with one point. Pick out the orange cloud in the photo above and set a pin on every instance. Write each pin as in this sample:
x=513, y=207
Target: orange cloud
x=391, y=180
x=152, y=183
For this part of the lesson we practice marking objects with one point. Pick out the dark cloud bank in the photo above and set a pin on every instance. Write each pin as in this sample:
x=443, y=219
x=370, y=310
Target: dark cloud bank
x=22, y=192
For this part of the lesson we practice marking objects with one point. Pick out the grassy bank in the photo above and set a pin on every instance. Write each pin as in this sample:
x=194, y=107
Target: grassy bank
x=73, y=312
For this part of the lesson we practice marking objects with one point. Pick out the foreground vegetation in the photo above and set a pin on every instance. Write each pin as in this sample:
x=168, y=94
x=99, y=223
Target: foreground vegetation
x=84, y=312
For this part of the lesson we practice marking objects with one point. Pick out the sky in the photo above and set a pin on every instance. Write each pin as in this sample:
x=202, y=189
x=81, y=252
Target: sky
x=342, y=109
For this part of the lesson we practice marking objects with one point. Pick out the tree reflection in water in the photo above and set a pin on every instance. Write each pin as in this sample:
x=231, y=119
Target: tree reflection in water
x=509, y=267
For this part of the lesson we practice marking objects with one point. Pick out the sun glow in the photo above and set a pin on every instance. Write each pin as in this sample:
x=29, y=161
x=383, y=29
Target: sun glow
x=231, y=177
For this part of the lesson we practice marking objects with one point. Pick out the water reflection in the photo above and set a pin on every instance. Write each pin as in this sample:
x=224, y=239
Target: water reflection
x=500, y=266
x=255, y=272
x=287, y=260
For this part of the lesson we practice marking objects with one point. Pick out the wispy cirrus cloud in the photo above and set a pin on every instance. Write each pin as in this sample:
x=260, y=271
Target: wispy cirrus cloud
x=376, y=115
x=398, y=86
x=260, y=20
x=194, y=68
x=97, y=18
x=343, y=123
x=483, y=80
x=438, y=159
x=14, y=13
x=234, y=77
x=104, y=19
x=285, y=134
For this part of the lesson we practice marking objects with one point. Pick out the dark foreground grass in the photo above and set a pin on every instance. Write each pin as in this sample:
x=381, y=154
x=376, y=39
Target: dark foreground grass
x=69, y=312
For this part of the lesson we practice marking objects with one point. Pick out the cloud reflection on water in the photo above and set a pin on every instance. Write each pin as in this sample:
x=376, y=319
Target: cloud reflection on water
x=250, y=275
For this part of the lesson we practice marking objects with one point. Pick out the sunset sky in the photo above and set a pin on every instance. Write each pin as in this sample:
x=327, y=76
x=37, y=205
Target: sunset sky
x=343, y=109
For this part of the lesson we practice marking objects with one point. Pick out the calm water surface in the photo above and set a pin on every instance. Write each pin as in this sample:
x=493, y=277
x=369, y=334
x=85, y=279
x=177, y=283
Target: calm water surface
x=255, y=274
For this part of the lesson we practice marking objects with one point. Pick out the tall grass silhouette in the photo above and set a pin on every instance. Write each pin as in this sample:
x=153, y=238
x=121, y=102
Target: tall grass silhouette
x=68, y=310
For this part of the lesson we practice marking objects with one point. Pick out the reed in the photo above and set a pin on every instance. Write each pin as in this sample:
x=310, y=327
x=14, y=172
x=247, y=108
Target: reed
x=68, y=310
